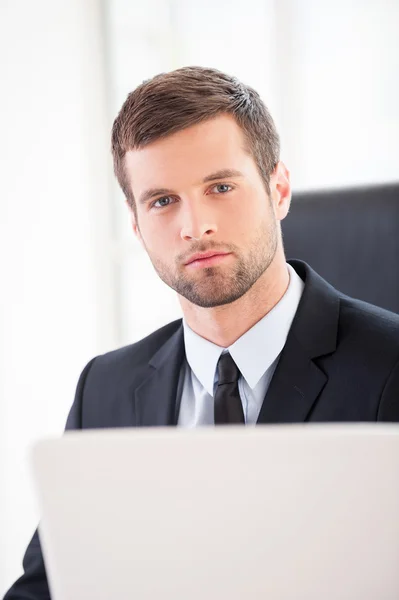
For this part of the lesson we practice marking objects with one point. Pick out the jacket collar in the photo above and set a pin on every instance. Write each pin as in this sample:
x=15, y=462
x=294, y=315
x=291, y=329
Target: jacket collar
x=298, y=381
x=155, y=398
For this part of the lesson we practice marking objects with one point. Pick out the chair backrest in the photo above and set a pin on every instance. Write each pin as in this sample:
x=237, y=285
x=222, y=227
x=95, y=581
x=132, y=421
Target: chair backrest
x=351, y=238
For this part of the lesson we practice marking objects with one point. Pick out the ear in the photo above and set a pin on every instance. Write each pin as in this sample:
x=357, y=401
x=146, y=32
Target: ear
x=280, y=189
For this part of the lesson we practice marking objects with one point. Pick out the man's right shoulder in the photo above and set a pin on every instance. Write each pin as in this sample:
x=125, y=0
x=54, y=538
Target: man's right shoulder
x=106, y=387
x=139, y=353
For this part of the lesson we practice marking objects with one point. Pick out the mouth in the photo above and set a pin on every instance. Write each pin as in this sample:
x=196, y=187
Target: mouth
x=207, y=259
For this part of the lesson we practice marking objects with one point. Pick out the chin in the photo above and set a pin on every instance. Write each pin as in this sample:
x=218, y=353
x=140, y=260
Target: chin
x=212, y=300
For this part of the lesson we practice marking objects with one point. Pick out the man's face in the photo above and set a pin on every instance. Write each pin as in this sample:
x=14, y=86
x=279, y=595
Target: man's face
x=199, y=191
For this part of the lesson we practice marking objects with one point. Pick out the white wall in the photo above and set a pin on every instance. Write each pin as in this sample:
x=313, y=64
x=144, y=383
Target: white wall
x=56, y=280
x=346, y=64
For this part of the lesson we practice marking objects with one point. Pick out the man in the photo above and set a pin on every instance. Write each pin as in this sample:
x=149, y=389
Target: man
x=196, y=153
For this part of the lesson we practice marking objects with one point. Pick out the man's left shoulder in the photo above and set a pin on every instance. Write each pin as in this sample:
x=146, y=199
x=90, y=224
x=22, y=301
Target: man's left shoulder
x=369, y=324
x=370, y=336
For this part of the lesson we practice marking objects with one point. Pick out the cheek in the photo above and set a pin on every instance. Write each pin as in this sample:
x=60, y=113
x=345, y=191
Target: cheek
x=248, y=214
x=158, y=238
x=153, y=230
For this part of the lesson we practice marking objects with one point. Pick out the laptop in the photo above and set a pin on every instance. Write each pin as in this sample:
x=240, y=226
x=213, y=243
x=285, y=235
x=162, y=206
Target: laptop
x=278, y=512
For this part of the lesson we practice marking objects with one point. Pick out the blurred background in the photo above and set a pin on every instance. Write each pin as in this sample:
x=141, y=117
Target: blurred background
x=74, y=282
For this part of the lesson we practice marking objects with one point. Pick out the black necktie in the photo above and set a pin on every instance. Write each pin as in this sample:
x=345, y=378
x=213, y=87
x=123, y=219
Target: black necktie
x=228, y=406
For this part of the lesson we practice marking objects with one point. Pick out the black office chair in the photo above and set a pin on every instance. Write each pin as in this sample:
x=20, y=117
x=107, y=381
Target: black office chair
x=351, y=238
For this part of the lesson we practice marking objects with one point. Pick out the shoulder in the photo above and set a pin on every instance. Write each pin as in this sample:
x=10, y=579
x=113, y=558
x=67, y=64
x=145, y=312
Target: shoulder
x=326, y=313
x=372, y=322
x=134, y=356
x=376, y=332
x=368, y=337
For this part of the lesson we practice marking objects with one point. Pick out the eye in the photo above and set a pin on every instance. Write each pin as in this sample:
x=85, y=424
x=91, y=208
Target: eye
x=162, y=202
x=222, y=188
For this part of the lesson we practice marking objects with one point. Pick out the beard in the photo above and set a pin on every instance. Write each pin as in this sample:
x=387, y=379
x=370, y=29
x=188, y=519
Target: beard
x=222, y=284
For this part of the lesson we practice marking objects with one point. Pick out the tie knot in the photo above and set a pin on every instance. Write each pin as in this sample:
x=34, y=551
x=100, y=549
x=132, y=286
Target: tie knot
x=228, y=372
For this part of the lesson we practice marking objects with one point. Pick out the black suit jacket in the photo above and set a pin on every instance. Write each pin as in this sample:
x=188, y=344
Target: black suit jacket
x=340, y=363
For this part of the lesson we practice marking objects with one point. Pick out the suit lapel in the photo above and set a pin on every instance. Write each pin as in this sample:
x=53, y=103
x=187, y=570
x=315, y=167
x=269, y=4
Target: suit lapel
x=294, y=388
x=156, y=397
x=298, y=380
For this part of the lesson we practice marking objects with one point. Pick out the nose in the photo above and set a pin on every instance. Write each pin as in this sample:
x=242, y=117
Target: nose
x=197, y=224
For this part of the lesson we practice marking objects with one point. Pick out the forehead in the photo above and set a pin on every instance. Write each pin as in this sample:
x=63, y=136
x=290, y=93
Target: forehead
x=189, y=155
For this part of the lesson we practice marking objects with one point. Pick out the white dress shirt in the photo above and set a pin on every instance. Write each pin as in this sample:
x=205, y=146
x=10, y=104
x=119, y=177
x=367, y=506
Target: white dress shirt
x=256, y=354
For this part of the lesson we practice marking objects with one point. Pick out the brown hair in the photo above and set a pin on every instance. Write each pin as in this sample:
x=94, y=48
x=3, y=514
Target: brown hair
x=170, y=102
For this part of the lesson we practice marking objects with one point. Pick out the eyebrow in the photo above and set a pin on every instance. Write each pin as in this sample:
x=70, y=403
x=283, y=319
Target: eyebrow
x=222, y=174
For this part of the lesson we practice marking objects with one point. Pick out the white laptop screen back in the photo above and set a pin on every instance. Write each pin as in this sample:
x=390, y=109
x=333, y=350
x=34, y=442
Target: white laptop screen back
x=282, y=512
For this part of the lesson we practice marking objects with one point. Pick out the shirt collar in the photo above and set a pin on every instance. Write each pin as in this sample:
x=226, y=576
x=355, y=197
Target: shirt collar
x=256, y=350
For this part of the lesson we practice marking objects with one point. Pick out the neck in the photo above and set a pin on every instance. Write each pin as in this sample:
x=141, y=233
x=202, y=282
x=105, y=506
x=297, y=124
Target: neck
x=223, y=325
